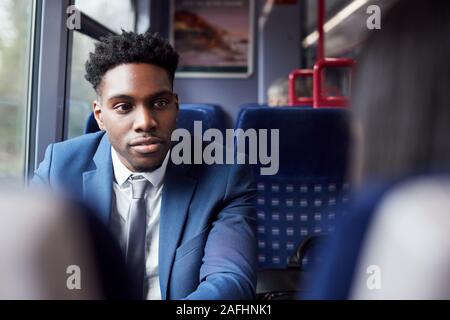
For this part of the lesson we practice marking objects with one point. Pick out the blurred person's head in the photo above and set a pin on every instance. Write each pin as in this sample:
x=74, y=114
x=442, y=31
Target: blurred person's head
x=133, y=76
x=277, y=93
x=54, y=249
x=402, y=96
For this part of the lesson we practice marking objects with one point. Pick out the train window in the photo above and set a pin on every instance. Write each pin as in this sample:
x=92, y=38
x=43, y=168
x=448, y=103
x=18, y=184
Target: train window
x=15, y=47
x=115, y=15
x=81, y=92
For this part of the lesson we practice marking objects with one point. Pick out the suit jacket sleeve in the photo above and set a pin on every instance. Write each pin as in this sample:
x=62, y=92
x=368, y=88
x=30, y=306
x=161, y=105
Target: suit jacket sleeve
x=229, y=263
x=41, y=175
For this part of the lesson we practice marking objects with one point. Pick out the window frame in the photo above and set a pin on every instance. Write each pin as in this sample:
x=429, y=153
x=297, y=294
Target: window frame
x=49, y=69
x=95, y=30
x=32, y=88
x=49, y=79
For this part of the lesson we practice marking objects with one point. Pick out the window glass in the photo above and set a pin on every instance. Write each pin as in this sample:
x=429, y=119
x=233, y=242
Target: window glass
x=114, y=14
x=81, y=92
x=15, y=33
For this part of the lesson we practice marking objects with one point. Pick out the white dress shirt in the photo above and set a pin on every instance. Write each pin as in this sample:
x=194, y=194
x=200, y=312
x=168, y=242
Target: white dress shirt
x=120, y=221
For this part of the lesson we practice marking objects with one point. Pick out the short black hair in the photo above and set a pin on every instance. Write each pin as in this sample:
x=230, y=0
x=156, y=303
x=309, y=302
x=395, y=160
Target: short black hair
x=130, y=47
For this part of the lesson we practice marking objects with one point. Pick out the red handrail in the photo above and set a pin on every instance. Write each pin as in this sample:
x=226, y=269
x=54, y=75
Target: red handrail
x=295, y=100
x=319, y=80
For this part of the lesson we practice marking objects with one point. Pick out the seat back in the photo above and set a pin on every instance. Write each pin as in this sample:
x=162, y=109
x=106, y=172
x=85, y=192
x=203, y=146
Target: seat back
x=300, y=200
x=211, y=116
x=91, y=124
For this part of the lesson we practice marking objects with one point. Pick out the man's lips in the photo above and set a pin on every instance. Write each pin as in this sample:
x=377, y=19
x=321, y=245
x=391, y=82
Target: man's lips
x=146, y=145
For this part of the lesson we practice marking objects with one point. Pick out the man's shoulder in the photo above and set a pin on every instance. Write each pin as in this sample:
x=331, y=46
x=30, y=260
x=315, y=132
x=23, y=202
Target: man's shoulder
x=66, y=161
x=84, y=145
x=77, y=153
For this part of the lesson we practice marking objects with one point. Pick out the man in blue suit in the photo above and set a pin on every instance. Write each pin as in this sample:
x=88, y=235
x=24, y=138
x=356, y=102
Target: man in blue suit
x=186, y=230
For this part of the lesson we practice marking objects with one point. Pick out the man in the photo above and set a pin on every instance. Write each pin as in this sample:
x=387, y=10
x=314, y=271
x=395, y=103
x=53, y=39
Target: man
x=277, y=93
x=186, y=231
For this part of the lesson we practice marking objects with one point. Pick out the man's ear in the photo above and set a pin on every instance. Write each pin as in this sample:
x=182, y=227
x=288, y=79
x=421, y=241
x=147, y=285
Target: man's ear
x=96, y=108
x=176, y=101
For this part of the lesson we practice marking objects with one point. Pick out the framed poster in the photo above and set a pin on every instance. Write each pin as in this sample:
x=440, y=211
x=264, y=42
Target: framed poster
x=214, y=38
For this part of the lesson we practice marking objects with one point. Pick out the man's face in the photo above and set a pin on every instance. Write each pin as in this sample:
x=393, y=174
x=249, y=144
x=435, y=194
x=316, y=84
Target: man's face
x=138, y=111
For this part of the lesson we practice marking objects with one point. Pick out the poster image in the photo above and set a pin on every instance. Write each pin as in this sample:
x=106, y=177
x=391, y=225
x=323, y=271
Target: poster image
x=213, y=37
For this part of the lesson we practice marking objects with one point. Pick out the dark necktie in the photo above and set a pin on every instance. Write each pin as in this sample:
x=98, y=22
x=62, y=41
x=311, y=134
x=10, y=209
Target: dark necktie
x=135, y=249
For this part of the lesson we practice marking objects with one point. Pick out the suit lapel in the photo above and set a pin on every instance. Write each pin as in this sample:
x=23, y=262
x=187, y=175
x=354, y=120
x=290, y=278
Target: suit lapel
x=97, y=183
x=177, y=194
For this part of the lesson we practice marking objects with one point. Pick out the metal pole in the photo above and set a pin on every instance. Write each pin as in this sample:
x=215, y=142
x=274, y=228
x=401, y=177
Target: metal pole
x=320, y=23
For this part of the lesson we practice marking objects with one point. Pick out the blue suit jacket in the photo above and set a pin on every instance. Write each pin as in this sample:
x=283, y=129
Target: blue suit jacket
x=207, y=247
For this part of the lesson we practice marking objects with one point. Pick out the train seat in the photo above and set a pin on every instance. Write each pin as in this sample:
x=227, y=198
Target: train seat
x=301, y=201
x=212, y=116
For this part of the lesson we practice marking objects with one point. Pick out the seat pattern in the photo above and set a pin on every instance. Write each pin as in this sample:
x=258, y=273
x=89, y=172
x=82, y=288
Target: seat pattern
x=290, y=211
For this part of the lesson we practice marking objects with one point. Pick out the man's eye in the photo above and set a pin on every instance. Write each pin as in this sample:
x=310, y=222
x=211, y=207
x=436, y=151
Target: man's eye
x=160, y=104
x=123, y=107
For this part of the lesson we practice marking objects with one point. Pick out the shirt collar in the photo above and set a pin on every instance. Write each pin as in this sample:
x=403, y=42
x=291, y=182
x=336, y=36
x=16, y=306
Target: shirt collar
x=122, y=173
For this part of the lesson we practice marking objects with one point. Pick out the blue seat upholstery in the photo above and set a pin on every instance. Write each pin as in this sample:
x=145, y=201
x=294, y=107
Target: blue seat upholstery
x=301, y=199
x=211, y=116
x=250, y=105
x=91, y=124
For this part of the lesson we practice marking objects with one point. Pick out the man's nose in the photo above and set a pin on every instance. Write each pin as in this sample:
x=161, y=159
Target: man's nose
x=145, y=119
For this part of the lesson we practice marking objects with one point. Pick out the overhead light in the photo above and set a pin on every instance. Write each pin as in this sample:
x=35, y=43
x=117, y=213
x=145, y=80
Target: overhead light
x=333, y=22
